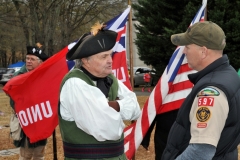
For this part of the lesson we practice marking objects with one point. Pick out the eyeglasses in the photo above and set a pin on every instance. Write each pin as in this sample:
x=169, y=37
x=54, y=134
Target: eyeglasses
x=31, y=59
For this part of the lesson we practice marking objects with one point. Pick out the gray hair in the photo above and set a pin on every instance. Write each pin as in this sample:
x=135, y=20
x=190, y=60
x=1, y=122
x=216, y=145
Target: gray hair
x=78, y=63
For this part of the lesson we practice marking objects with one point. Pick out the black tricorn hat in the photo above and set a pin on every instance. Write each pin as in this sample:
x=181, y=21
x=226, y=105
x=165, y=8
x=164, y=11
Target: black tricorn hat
x=32, y=50
x=89, y=44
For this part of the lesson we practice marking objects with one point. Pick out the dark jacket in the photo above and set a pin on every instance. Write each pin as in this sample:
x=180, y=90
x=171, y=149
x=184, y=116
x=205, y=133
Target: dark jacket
x=216, y=74
x=21, y=143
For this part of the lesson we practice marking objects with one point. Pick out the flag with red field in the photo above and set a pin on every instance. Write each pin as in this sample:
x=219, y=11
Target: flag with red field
x=169, y=93
x=36, y=93
x=118, y=24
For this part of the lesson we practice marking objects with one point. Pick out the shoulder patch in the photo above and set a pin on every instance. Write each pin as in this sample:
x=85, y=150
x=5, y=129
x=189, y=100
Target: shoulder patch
x=202, y=125
x=203, y=114
x=205, y=101
x=208, y=92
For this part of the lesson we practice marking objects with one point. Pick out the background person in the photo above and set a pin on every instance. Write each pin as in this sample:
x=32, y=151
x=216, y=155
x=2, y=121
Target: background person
x=207, y=124
x=147, y=80
x=34, y=58
x=93, y=103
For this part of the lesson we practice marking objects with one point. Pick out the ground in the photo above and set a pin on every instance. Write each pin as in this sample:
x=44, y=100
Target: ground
x=6, y=143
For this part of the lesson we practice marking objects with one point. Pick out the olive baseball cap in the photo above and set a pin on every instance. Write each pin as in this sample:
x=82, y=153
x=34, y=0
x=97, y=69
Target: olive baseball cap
x=205, y=33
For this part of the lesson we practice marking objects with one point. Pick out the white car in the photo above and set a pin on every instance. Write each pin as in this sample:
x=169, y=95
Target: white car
x=2, y=71
x=8, y=75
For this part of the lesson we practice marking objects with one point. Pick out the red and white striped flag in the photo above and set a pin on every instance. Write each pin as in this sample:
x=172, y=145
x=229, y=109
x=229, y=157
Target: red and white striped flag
x=169, y=93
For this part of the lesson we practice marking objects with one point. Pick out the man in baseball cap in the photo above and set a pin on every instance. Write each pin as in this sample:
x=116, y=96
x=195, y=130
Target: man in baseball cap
x=205, y=37
x=207, y=125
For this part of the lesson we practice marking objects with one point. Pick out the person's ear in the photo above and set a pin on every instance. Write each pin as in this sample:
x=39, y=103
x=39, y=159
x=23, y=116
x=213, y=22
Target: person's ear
x=204, y=52
x=86, y=61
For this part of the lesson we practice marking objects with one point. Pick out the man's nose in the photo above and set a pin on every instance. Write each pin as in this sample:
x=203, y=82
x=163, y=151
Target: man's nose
x=110, y=59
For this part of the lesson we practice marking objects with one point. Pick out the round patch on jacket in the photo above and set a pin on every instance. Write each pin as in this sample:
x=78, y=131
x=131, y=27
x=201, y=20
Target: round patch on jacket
x=203, y=114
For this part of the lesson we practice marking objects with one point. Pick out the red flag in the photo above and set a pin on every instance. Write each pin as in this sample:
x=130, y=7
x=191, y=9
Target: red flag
x=118, y=24
x=36, y=93
x=168, y=94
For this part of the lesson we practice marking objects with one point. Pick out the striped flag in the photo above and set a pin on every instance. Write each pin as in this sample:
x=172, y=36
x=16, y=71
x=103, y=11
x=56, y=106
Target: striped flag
x=168, y=94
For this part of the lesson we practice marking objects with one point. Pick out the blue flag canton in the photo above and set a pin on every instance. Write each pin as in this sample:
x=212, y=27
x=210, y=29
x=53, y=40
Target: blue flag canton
x=117, y=24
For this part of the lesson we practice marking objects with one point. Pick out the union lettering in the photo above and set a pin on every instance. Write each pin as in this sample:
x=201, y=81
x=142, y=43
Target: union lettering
x=120, y=74
x=35, y=113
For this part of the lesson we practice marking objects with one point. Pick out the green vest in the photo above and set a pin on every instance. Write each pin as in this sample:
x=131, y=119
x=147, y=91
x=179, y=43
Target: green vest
x=79, y=145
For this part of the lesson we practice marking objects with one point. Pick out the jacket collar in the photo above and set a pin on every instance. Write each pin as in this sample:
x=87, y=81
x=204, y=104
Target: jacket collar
x=195, y=77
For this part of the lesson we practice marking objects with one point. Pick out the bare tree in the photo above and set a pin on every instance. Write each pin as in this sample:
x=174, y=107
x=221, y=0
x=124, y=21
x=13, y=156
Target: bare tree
x=55, y=23
x=11, y=36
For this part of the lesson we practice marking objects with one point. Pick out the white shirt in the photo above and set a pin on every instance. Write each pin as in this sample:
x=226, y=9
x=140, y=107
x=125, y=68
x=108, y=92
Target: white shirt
x=88, y=107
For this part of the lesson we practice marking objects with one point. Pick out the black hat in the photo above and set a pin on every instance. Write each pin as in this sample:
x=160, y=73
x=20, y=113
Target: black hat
x=37, y=52
x=90, y=44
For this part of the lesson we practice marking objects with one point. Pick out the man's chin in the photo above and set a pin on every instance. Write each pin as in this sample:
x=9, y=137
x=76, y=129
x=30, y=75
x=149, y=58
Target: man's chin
x=105, y=74
x=29, y=68
x=109, y=71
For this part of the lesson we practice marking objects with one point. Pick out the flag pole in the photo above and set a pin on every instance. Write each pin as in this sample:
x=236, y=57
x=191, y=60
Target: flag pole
x=54, y=145
x=205, y=14
x=130, y=50
x=130, y=44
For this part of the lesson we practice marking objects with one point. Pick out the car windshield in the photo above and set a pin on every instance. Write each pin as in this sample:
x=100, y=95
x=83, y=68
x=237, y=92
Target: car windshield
x=143, y=70
x=9, y=71
x=3, y=70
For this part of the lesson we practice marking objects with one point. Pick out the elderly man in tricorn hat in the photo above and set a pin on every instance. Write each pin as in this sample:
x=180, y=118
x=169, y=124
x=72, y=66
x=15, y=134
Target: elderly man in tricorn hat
x=34, y=58
x=208, y=124
x=93, y=103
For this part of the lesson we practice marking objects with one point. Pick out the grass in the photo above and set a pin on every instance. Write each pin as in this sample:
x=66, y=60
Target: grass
x=6, y=142
x=140, y=88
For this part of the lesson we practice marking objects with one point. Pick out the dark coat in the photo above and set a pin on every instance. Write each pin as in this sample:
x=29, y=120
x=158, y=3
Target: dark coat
x=216, y=74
